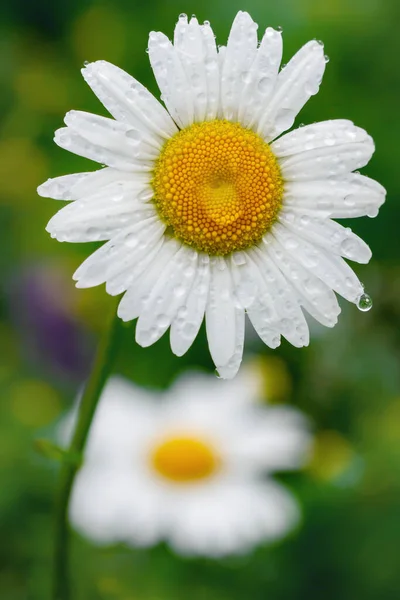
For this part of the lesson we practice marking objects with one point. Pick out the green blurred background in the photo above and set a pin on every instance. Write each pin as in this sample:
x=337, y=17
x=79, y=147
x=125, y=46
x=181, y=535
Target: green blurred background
x=347, y=380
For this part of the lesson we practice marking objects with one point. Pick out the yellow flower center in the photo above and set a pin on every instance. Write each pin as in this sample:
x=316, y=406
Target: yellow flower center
x=218, y=186
x=184, y=459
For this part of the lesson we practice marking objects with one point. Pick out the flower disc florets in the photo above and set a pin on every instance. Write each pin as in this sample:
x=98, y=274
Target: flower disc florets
x=218, y=186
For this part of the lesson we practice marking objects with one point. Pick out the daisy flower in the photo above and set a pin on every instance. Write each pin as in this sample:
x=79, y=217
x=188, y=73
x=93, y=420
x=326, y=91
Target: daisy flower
x=207, y=211
x=191, y=469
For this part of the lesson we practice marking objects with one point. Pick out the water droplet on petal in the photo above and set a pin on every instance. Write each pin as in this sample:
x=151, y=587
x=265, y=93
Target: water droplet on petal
x=364, y=302
x=163, y=320
x=134, y=135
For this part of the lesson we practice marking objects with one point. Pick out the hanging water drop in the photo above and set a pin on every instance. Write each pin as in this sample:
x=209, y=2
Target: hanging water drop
x=364, y=302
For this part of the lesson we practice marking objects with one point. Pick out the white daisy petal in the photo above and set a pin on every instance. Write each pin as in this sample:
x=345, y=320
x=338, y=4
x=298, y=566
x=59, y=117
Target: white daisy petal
x=274, y=440
x=97, y=502
x=70, y=140
x=234, y=519
x=189, y=45
x=318, y=135
x=240, y=53
x=296, y=83
x=350, y=196
x=328, y=234
x=331, y=269
x=167, y=296
x=186, y=324
x=260, y=82
x=61, y=188
x=128, y=271
x=221, y=314
x=127, y=100
x=332, y=161
x=127, y=249
x=83, y=185
x=113, y=135
x=245, y=284
x=292, y=324
x=229, y=370
x=137, y=294
x=212, y=71
x=96, y=220
x=260, y=317
x=171, y=79
x=253, y=292
x=314, y=295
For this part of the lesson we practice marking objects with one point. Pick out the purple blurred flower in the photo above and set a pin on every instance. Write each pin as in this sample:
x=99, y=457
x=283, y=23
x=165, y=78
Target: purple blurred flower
x=41, y=306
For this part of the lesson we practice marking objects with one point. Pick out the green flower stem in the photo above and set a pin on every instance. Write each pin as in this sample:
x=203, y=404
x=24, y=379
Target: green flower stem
x=101, y=369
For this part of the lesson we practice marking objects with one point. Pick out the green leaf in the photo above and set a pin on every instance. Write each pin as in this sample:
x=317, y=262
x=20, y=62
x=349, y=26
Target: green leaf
x=50, y=450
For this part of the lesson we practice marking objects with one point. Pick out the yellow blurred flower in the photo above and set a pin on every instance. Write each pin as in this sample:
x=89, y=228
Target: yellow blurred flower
x=100, y=32
x=332, y=455
x=274, y=377
x=34, y=403
x=22, y=165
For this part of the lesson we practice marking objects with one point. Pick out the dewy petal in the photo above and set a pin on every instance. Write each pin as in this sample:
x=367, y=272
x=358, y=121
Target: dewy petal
x=61, y=188
x=328, y=161
x=113, y=135
x=350, y=196
x=194, y=48
x=296, y=83
x=84, y=185
x=212, y=71
x=292, y=323
x=167, y=296
x=328, y=267
x=133, y=302
x=240, y=53
x=221, y=314
x=186, y=324
x=315, y=296
x=132, y=266
x=171, y=79
x=127, y=100
x=254, y=295
x=318, y=135
x=72, y=141
x=328, y=234
x=245, y=284
x=229, y=370
x=260, y=81
x=262, y=312
x=126, y=248
x=90, y=220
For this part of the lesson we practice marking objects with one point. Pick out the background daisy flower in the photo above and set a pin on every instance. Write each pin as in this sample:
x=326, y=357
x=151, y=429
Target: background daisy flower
x=188, y=467
x=205, y=211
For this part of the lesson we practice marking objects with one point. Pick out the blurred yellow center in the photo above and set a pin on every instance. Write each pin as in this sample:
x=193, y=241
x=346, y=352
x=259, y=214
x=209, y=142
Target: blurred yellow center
x=184, y=459
x=218, y=186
